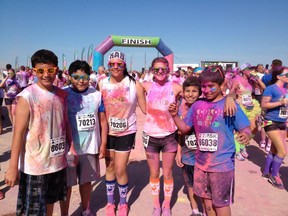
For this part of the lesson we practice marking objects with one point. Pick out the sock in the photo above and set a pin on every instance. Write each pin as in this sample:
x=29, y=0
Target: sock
x=168, y=189
x=268, y=162
x=110, y=187
x=155, y=190
x=195, y=211
x=237, y=144
x=123, y=190
x=277, y=161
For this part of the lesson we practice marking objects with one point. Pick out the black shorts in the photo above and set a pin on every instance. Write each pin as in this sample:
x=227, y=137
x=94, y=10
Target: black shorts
x=1, y=101
x=35, y=192
x=188, y=174
x=272, y=126
x=9, y=101
x=121, y=143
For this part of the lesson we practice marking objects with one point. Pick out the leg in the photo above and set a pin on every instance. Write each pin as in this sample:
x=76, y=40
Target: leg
x=9, y=108
x=49, y=211
x=223, y=211
x=278, y=141
x=85, y=193
x=64, y=205
x=210, y=211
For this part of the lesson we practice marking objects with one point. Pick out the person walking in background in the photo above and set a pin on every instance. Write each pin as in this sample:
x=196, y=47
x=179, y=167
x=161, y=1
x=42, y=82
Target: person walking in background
x=120, y=93
x=22, y=77
x=42, y=136
x=159, y=132
x=89, y=127
x=12, y=88
x=275, y=100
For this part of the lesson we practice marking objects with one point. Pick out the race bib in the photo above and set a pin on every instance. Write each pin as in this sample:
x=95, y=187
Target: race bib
x=86, y=122
x=191, y=142
x=246, y=99
x=283, y=112
x=208, y=142
x=145, y=139
x=118, y=124
x=57, y=146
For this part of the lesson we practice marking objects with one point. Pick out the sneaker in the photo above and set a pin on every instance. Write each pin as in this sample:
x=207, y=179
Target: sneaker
x=266, y=176
x=268, y=147
x=156, y=211
x=110, y=209
x=276, y=182
x=239, y=156
x=244, y=153
x=123, y=210
x=196, y=214
x=262, y=144
x=86, y=213
x=166, y=212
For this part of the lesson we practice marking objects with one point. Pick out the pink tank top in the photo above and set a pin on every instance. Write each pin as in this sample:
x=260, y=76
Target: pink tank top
x=159, y=122
x=120, y=102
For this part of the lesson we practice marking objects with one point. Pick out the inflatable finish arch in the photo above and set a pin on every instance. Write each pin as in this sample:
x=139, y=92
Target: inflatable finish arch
x=134, y=41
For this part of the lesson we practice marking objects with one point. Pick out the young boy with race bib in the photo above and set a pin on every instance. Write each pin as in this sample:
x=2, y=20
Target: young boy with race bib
x=215, y=163
x=187, y=144
x=89, y=127
x=40, y=138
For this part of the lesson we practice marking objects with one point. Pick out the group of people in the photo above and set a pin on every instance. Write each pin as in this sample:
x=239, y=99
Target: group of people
x=197, y=122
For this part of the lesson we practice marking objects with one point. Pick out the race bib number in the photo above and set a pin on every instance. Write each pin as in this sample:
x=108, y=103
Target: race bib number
x=118, y=124
x=208, y=142
x=191, y=142
x=283, y=112
x=57, y=146
x=145, y=139
x=246, y=99
x=86, y=122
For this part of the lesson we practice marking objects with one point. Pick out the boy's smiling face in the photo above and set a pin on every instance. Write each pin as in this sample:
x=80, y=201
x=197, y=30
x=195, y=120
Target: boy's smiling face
x=79, y=80
x=45, y=76
x=211, y=91
x=191, y=94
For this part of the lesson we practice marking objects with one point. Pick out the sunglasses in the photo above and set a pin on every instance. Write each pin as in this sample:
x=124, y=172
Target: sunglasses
x=79, y=77
x=11, y=73
x=247, y=68
x=157, y=70
x=286, y=75
x=214, y=70
x=52, y=70
x=119, y=64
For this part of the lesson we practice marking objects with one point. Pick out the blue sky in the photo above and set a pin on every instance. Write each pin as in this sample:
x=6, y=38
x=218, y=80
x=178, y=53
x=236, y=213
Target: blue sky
x=254, y=31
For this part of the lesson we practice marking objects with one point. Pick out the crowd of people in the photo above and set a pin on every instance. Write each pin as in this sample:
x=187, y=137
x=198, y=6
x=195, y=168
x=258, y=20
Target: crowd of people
x=64, y=122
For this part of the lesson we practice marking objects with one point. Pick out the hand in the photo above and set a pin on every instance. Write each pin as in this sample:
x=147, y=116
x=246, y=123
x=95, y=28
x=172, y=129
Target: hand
x=11, y=177
x=102, y=151
x=178, y=159
x=230, y=107
x=173, y=109
x=243, y=138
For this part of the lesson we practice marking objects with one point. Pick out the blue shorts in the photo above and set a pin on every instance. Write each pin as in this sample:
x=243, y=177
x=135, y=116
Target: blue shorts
x=35, y=192
x=216, y=186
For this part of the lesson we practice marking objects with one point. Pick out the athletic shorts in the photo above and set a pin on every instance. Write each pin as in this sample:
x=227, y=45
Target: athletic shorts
x=121, y=143
x=217, y=186
x=1, y=101
x=188, y=174
x=86, y=170
x=165, y=144
x=37, y=191
x=9, y=101
x=272, y=125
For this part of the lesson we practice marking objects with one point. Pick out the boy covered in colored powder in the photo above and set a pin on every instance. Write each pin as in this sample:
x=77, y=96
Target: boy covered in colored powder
x=87, y=118
x=215, y=163
x=187, y=144
x=40, y=141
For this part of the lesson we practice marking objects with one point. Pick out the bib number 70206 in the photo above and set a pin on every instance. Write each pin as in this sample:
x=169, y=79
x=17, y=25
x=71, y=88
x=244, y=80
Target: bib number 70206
x=118, y=124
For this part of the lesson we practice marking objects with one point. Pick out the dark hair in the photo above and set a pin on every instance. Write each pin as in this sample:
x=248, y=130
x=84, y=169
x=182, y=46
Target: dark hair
x=212, y=74
x=192, y=81
x=22, y=67
x=275, y=72
x=79, y=65
x=8, y=66
x=60, y=74
x=277, y=62
x=45, y=57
